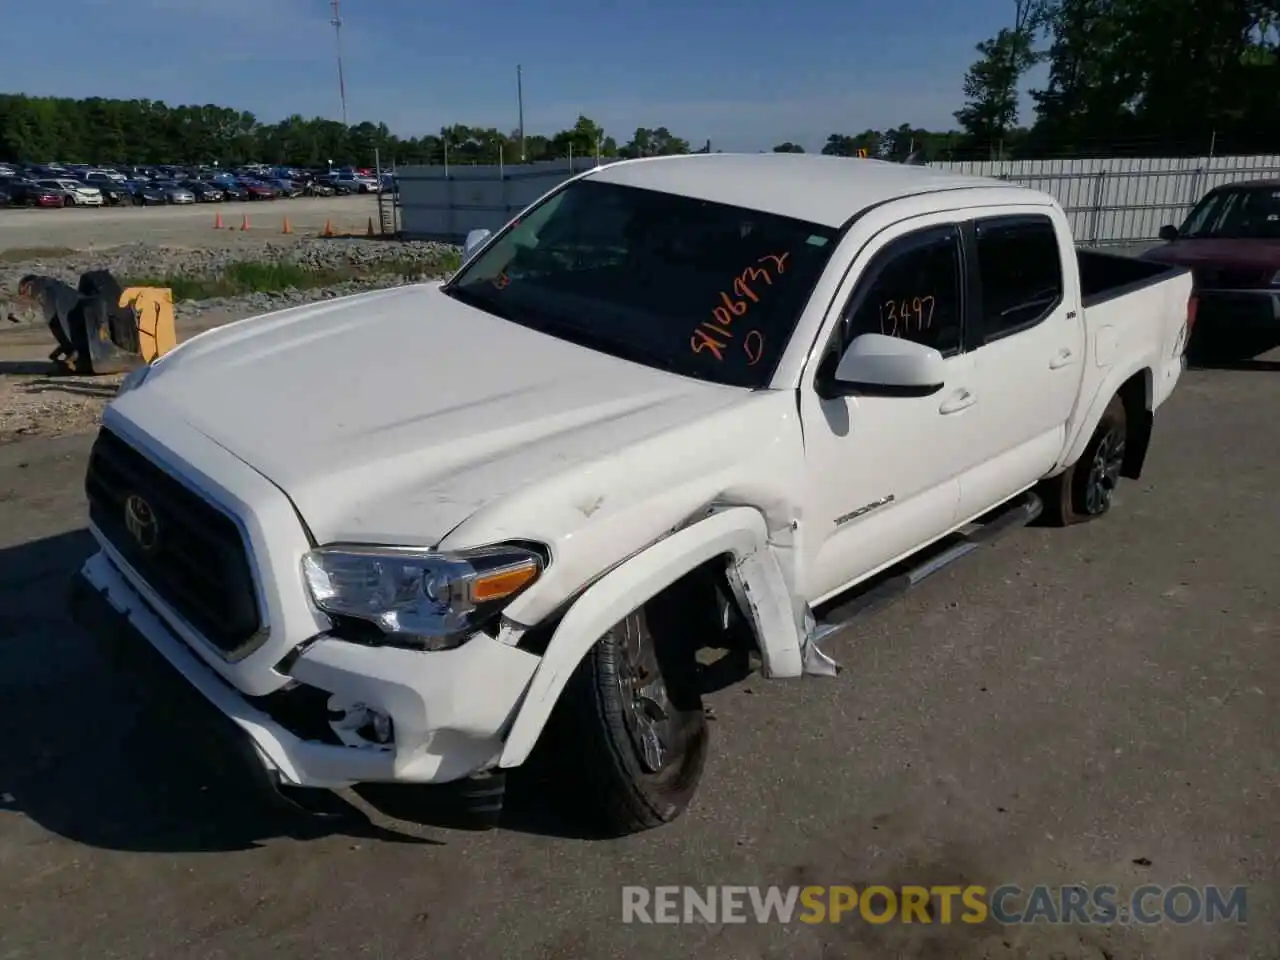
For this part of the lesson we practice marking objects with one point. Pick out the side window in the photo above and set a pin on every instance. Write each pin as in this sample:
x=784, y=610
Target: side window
x=913, y=292
x=1020, y=265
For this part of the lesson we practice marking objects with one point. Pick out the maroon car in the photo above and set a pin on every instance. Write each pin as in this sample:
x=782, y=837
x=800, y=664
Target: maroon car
x=1231, y=242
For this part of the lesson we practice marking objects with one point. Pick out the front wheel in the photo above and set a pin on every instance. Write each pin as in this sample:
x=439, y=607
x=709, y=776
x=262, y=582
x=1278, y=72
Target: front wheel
x=629, y=736
x=1084, y=491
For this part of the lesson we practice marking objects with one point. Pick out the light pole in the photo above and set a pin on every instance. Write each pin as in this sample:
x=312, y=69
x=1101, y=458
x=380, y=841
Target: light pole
x=520, y=105
x=336, y=20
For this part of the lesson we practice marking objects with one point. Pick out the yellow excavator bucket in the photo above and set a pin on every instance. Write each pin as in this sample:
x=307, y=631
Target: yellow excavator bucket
x=153, y=306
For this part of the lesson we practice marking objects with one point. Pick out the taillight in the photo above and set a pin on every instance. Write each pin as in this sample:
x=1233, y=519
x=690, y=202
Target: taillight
x=1193, y=305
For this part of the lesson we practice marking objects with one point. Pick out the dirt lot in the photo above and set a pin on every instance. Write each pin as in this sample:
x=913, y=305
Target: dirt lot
x=35, y=404
x=1095, y=705
x=84, y=228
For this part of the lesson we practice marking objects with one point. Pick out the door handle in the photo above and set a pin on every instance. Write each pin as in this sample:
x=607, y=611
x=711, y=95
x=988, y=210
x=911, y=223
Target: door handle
x=1062, y=359
x=961, y=400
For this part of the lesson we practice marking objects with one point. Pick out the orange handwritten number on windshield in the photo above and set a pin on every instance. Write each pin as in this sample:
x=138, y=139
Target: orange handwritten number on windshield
x=701, y=340
x=736, y=307
x=723, y=314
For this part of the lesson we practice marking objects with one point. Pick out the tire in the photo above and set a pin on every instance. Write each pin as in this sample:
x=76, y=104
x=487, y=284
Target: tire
x=625, y=770
x=68, y=202
x=1084, y=491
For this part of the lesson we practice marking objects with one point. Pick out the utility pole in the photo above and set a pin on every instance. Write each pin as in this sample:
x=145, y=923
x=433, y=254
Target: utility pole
x=336, y=20
x=519, y=103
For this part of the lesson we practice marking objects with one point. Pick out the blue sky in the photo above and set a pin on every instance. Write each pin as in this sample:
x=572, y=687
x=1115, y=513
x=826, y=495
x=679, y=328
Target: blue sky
x=745, y=73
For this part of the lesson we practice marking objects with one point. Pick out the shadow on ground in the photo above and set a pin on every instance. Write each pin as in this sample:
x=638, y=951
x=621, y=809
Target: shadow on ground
x=109, y=760
x=94, y=757
x=1234, y=347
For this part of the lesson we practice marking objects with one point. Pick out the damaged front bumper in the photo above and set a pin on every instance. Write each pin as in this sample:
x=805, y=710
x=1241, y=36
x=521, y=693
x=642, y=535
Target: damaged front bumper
x=448, y=710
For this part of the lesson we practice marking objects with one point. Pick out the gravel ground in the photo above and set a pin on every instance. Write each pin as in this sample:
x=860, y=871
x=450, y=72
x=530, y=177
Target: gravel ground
x=144, y=261
x=82, y=228
x=33, y=404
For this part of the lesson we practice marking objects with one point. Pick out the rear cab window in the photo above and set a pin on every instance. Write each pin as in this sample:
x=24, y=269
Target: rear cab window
x=1020, y=275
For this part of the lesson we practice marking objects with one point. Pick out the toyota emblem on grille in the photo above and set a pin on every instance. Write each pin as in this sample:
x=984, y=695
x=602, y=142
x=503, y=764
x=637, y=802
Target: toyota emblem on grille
x=140, y=521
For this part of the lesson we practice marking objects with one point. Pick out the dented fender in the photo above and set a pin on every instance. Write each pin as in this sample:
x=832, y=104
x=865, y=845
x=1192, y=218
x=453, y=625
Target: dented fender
x=739, y=532
x=1084, y=427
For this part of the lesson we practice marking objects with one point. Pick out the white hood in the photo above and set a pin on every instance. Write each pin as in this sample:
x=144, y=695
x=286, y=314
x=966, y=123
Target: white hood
x=393, y=416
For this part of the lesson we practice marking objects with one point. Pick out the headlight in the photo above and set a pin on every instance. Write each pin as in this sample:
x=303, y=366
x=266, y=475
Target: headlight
x=133, y=380
x=430, y=599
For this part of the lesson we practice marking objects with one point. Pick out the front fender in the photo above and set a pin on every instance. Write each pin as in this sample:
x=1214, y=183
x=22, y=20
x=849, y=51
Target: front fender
x=739, y=532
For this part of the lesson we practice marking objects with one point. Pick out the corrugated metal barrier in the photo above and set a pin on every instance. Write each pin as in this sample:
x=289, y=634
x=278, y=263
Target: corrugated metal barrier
x=1115, y=201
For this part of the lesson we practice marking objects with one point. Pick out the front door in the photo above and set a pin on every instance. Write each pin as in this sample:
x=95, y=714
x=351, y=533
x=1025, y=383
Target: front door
x=881, y=469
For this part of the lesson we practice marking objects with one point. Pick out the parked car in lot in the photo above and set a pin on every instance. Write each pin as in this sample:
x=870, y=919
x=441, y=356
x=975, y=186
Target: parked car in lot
x=857, y=372
x=100, y=178
x=1231, y=243
x=74, y=193
x=205, y=191
x=259, y=190
x=29, y=193
x=341, y=187
x=232, y=191
x=175, y=192
x=147, y=194
x=359, y=183
x=315, y=188
x=115, y=193
x=285, y=188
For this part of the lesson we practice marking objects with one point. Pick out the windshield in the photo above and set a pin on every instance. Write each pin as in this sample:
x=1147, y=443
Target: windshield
x=1246, y=214
x=698, y=288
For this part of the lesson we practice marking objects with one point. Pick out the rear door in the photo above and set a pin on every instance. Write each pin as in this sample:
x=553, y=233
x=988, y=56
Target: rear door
x=1026, y=340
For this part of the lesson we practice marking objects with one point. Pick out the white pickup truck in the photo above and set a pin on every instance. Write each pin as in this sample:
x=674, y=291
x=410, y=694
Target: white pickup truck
x=678, y=406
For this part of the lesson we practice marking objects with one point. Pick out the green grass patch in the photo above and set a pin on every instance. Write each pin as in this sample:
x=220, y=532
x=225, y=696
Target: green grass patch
x=250, y=276
x=23, y=254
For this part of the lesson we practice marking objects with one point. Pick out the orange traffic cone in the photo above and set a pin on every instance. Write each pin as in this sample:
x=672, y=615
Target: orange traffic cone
x=287, y=228
x=369, y=232
x=328, y=229
x=244, y=224
x=217, y=222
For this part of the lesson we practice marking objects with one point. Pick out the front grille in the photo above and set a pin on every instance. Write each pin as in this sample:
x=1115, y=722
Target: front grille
x=189, y=552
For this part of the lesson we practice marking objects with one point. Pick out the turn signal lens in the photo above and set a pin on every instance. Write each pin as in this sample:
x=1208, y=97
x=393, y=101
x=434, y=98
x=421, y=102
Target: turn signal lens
x=488, y=587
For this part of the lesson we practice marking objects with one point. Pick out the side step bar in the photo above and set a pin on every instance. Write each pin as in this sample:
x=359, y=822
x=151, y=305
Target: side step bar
x=874, y=594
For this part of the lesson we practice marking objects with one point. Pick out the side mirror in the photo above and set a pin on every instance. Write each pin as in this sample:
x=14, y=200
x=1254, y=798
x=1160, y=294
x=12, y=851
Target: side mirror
x=1168, y=233
x=475, y=240
x=876, y=365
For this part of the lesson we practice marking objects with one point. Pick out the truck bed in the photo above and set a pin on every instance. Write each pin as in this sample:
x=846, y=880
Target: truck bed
x=1105, y=276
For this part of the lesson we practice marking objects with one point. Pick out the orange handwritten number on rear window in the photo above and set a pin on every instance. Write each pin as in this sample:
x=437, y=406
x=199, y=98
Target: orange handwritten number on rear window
x=779, y=261
x=753, y=346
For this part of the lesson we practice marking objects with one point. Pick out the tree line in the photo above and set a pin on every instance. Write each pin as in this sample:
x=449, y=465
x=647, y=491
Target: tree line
x=1135, y=77
x=1124, y=77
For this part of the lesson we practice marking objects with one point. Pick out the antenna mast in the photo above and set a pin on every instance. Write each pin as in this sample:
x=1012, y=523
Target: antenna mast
x=336, y=20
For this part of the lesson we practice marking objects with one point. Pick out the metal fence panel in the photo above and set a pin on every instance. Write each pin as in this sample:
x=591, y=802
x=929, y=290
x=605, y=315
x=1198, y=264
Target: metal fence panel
x=445, y=203
x=1108, y=201
x=1124, y=200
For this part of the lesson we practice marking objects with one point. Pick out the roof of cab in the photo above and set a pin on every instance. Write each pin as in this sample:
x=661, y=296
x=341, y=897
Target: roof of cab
x=818, y=189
